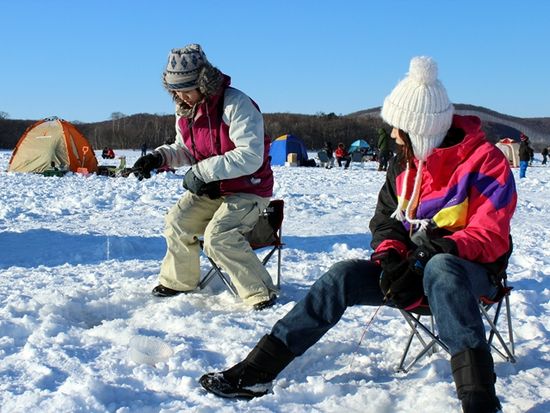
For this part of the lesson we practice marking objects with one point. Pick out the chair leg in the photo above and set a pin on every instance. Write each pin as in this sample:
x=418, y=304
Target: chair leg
x=505, y=350
x=207, y=278
x=405, y=353
x=415, y=324
x=268, y=257
x=508, y=354
x=216, y=270
x=510, y=330
x=279, y=252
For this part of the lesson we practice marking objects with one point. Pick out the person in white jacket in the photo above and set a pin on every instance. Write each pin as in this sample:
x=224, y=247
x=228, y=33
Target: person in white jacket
x=220, y=135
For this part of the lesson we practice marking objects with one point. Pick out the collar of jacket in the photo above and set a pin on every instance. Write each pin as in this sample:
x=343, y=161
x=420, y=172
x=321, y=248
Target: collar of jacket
x=464, y=137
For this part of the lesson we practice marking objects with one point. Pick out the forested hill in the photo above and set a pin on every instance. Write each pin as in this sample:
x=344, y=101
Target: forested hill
x=123, y=131
x=496, y=125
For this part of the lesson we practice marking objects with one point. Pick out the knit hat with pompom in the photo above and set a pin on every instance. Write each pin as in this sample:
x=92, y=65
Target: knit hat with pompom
x=419, y=105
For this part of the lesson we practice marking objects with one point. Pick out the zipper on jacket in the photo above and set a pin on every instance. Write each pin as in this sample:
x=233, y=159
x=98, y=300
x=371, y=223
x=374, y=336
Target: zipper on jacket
x=212, y=147
x=190, y=122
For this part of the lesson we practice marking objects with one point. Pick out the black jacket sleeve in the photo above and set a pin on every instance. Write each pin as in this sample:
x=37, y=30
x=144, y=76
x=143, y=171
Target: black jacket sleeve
x=382, y=225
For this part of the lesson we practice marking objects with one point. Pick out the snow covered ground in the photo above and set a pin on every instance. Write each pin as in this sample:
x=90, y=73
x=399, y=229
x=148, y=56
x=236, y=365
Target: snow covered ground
x=80, y=255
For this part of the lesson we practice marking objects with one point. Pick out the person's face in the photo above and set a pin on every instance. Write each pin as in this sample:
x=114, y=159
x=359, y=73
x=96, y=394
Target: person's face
x=190, y=97
x=397, y=134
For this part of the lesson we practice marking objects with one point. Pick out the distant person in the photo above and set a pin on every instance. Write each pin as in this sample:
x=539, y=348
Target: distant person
x=220, y=135
x=383, y=149
x=441, y=228
x=105, y=153
x=144, y=149
x=525, y=152
x=544, y=154
x=330, y=154
x=342, y=155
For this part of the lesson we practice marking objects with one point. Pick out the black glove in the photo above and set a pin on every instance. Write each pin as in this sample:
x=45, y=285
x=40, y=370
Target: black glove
x=144, y=165
x=401, y=285
x=197, y=186
x=401, y=279
x=212, y=189
x=424, y=253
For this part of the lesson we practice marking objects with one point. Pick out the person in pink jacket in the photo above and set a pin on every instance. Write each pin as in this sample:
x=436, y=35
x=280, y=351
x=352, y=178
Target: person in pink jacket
x=220, y=137
x=440, y=232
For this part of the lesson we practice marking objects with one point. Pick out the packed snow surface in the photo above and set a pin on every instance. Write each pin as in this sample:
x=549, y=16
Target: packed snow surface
x=80, y=255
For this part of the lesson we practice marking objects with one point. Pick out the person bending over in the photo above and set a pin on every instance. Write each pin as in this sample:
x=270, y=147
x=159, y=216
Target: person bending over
x=220, y=134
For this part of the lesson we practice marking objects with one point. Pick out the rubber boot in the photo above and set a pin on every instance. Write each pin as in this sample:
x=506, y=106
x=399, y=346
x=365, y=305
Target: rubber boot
x=474, y=376
x=251, y=377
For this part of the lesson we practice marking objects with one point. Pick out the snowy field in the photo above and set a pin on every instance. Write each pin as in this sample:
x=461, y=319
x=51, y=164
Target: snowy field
x=80, y=255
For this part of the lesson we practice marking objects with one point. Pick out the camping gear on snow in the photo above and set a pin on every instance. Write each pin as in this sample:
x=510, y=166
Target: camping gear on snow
x=510, y=148
x=324, y=159
x=360, y=145
x=292, y=159
x=115, y=171
x=148, y=350
x=284, y=145
x=83, y=170
x=52, y=141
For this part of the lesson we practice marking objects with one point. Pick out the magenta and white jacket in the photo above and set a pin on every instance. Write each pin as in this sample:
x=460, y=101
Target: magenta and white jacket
x=225, y=141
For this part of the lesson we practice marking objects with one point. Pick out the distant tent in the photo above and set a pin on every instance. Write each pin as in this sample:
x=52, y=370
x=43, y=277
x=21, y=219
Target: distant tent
x=52, y=141
x=283, y=145
x=358, y=145
x=510, y=148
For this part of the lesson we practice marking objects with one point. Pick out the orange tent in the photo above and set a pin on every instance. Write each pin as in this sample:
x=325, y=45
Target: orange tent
x=52, y=142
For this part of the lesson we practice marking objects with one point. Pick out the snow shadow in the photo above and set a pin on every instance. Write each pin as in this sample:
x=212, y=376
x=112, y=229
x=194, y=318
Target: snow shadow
x=51, y=248
x=324, y=243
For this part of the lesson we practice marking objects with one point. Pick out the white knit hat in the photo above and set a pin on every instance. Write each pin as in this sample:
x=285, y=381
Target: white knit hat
x=419, y=105
x=183, y=68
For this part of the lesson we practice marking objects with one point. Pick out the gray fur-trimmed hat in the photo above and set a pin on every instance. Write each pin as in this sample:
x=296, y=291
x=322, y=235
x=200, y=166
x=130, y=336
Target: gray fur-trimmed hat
x=184, y=66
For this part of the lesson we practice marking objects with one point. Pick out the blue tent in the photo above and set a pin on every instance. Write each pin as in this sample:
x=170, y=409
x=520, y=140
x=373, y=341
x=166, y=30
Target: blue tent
x=283, y=145
x=358, y=145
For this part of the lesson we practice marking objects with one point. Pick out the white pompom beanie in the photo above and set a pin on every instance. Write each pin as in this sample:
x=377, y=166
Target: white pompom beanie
x=419, y=105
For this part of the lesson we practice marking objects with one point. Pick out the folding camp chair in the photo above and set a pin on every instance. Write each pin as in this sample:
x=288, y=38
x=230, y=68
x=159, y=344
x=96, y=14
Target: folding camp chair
x=324, y=160
x=266, y=235
x=357, y=156
x=426, y=333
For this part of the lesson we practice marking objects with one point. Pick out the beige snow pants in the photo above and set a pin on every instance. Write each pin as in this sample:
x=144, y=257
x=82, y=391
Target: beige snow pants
x=222, y=222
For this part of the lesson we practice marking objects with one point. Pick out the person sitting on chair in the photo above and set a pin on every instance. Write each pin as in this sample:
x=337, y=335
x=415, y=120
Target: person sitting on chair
x=455, y=193
x=330, y=154
x=220, y=134
x=342, y=155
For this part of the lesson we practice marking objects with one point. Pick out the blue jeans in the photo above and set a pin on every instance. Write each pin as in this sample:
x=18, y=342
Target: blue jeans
x=452, y=285
x=523, y=168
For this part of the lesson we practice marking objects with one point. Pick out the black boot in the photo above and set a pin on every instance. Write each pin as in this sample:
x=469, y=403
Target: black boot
x=474, y=376
x=251, y=377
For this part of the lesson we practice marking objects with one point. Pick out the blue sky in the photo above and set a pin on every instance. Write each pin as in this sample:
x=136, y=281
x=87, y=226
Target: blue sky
x=84, y=60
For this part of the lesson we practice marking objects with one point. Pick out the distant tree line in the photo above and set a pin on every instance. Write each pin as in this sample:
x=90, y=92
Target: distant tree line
x=126, y=132
x=315, y=130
